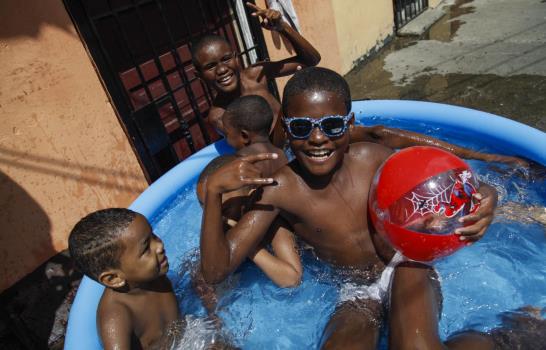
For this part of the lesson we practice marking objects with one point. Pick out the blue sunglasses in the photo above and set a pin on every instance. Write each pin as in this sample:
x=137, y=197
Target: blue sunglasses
x=331, y=125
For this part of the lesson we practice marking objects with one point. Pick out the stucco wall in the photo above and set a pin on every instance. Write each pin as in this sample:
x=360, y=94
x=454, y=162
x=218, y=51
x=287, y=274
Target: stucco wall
x=343, y=31
x=63, y=152
x=361, y=25
x=317, y=25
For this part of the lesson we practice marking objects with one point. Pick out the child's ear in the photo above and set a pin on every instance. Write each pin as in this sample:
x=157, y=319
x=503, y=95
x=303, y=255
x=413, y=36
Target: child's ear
x=112, y=279
x=245, y=135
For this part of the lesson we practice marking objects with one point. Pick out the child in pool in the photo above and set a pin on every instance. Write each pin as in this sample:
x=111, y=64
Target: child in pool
x=323, y=195
x=117, y=248
x=218, y=65
x=247, y=121
x=284, y=266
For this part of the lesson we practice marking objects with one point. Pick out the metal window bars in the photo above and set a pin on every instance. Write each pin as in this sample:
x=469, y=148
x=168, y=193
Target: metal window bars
x=141, y=49
x=406, y=10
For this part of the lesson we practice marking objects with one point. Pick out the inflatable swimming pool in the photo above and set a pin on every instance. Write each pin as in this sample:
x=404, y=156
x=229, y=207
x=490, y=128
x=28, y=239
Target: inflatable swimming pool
x=501, y=134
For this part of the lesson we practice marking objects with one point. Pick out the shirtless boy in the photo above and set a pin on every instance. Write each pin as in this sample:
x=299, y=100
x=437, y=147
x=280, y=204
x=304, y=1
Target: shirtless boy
x=218, y=65
x=117, y=248
x=247, y=121
x=323, y=195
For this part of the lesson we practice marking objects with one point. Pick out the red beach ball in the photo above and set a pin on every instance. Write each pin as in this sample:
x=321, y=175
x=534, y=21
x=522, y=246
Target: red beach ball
x=416, y=199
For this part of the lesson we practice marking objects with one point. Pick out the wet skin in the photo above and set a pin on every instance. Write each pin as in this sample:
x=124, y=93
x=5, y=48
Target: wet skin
x=247, y=142
x=323, y=195
x=138, y=303
x=283, y=267
x=327, y=187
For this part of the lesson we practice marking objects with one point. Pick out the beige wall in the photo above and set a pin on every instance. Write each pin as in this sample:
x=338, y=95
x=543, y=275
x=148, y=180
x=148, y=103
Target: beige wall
x=314, y=17
x=361, y=25
x=343, y=31
x=434, y=3
x=63, y=153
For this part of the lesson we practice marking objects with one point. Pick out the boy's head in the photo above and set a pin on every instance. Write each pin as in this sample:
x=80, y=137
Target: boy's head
x=316, y=105
x=245, y=119
x=216, y=63
x=117, y=248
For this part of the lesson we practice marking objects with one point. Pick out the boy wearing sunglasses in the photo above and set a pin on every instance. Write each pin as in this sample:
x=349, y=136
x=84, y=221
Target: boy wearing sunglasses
x=323, y=194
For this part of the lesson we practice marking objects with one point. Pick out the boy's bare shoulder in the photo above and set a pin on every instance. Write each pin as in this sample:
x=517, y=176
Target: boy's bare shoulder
x=369, y=154
x=286, y=180
x=114, y=319
x=111, y=305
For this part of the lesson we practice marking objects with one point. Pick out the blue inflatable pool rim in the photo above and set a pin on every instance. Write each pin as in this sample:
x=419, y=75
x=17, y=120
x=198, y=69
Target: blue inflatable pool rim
x=511, y=137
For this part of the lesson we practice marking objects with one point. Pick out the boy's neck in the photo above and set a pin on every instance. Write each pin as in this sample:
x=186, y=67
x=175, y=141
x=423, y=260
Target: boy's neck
x=141, y=288
x=259, y=139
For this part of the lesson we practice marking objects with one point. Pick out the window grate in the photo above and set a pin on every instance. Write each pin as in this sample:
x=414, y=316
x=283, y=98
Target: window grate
x=141, y=49
x=406, y=10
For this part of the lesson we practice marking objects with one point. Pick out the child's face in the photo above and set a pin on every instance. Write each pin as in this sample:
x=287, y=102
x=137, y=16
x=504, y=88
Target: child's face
x=219, y=66
x=318, y=153
x=143, y=259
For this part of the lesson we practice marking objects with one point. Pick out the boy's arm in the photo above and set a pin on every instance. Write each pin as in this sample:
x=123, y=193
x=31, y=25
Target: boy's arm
x=283, y=268
x=222, y=253
x=306, y=54
x=397, y=138
x=205, y=292
x=115, y=327
x=479, y=221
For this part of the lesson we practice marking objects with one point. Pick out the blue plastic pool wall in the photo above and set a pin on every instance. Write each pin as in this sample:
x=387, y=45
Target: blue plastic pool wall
x=508, y=136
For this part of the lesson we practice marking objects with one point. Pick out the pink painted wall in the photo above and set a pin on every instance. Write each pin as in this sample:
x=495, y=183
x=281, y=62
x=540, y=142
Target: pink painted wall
x=63, y=152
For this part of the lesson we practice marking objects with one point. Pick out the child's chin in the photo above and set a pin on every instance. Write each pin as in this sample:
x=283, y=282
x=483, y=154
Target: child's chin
x=227, y=89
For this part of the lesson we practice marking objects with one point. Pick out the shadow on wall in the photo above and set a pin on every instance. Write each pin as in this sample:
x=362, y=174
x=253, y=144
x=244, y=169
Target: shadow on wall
x=25, y=225
x=109, y=178
x=25, y=18
x=28, y=309
x=33, y=312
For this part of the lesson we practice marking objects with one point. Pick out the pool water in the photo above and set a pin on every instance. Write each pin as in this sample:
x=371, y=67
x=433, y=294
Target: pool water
x=500, y=273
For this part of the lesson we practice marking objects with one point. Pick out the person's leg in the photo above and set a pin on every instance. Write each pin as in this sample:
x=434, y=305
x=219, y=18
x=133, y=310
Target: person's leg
x=354, y=325
x=413, y=313
x=414, y=310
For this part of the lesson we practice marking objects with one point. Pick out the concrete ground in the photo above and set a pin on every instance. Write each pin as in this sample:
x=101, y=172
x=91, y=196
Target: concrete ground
x=484, y=54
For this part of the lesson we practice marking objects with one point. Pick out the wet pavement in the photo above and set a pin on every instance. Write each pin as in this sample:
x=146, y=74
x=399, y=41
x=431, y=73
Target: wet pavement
x=484, y=54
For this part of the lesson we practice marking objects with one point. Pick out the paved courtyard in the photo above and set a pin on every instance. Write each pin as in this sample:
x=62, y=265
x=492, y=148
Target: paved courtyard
x=484, y=54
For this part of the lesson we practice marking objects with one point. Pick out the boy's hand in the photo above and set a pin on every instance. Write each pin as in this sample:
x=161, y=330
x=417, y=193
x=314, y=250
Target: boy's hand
x=479, y=221
x=271, y=19
x=239, y=173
